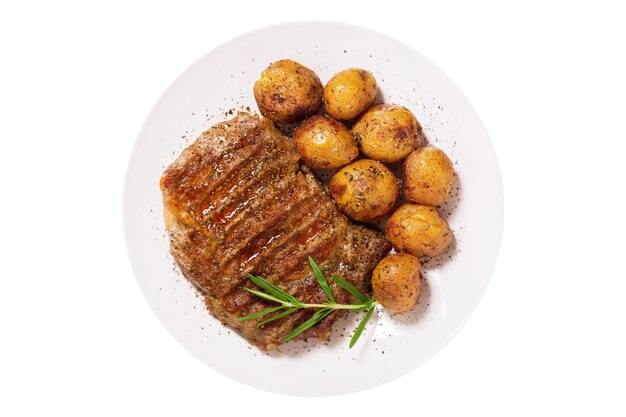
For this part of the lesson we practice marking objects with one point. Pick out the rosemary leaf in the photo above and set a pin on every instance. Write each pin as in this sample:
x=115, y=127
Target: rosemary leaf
x=361, y=326
x=278, y=316
x=315, y=318
x=260, y=313
x=350, y=288
x=273, y=289
x=291, y=304
x=264, y=295
x=321, y=280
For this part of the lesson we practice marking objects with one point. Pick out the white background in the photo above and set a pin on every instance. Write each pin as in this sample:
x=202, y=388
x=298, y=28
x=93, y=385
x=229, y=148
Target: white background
x=77, y=81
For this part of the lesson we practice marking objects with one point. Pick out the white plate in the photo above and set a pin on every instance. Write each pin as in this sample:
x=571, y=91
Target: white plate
x=391, y=345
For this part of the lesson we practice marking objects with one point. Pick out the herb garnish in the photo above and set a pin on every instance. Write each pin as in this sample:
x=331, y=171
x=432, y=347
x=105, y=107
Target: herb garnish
x=290, y=304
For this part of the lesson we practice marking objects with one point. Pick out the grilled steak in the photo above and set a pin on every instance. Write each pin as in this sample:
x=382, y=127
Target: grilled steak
x=237, y=201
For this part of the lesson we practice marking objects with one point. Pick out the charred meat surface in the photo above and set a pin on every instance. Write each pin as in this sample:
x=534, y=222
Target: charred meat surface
x=237, y=201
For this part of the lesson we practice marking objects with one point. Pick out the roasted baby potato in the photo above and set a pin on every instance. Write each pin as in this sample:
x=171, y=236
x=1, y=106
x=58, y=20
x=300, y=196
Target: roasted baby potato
x=365, y=189
x=428, y=176
x=349, y=93
x=387, y=133
x=287, y=92
x=396, y=282
x=323, y=142
x=419, y=230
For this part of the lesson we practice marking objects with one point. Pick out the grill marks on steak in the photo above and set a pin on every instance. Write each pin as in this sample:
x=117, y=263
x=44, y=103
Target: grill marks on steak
x=235, y=202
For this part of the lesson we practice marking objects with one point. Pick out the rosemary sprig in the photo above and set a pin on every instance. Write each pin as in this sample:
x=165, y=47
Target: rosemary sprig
x=290, y=304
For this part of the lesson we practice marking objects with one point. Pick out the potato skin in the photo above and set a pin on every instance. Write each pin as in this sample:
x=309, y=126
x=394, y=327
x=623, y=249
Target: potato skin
x=387, y=133
x=428, y=176
x=287, y=92
x=419, y=230
x=396, y=282
x=323, y=142
x=365, y=190
x=349, y=93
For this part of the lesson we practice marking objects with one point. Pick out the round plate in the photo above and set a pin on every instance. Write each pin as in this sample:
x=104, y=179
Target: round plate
x=220, y=84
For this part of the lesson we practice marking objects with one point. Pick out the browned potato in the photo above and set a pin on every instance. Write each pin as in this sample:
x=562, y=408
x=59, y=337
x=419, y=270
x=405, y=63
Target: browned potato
x=419, y=230
x=349, y=93
x=323, y=142
x=365, y=189
x=396, y=282
x=288, y=92
x=428, y=176
x=387, y=133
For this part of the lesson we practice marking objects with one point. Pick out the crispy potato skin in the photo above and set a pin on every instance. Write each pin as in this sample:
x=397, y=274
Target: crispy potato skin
x=387, y=133
x=428, y=176
x=396, y=282
x=365, y=190
x=287, y=92
x=349, y=93
x=323, y=142
x=419, y=230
